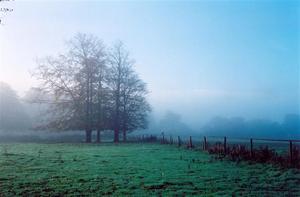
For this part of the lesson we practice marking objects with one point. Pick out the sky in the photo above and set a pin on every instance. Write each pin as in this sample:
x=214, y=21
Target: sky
x=199, y=58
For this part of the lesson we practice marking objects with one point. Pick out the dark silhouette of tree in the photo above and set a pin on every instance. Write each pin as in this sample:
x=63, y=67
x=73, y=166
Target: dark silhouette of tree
x=291, y=125
x=12, y=112
x=36, y=106
x=171, y=123
x=128, y=93
x=222, y=126
x=71, y=79
x=88, y=54
x=134, y=107
x=239, y=127
x=91, y=89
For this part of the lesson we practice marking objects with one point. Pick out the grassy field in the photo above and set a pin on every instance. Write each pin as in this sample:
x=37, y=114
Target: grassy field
x=134, y=170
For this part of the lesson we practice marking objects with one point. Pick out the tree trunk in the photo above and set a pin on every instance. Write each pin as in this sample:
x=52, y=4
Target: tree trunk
x=116, y=135
x=88, y=136
x=124, y=136
x=98, y=136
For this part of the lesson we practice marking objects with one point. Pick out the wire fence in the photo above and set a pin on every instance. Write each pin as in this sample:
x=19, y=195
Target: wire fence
x=283, y=151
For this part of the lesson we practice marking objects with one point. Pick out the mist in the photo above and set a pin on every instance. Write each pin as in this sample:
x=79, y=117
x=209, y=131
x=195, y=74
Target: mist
x=222, y=68
x=150, y=98
x=21, y=120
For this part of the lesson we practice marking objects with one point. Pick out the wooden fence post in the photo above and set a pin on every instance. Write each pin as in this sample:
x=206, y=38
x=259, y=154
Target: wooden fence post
x=225, y=145
x=251, y=147
x=163, y=138
x=204, y=143
x=171, y=141
x=191, y=142
x=291, y=152
x=179, y=141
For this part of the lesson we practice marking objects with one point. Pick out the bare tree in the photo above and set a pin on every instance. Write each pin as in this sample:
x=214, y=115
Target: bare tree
x=101, y=100
x=128, y=93
x=135, y=107
x=89, y=55
x=13, y=116
x=71, y=79
x=90, y=89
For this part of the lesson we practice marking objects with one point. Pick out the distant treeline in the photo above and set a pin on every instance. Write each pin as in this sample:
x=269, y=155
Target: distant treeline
x=171, y=124
x=289, y=128
x=15, y=114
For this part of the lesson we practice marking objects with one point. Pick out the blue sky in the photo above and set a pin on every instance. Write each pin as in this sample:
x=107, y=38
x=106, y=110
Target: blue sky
x=199, y=58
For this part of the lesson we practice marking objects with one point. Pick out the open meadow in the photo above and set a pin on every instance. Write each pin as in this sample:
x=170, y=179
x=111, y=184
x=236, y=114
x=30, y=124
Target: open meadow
x=33, y=169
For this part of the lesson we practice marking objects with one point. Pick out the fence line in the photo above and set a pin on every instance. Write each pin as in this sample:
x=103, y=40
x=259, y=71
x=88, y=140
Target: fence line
x=190, y=143
x=275, y=140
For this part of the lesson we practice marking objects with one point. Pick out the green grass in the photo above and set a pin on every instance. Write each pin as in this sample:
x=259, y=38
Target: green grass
x=134, y=170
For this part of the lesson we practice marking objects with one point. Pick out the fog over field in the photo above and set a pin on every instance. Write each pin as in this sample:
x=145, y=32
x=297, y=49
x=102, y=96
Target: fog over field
x=214, y=68
x=150, y=98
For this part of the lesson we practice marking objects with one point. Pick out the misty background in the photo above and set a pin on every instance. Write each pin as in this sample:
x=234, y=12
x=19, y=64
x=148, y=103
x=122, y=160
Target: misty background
x=211, y=68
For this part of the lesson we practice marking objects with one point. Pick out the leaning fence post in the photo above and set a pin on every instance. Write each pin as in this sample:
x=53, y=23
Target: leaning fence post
x=204, y=143
x=225, y=141
x=291, y=152
x=179, y=141
x=251, y=147
x=191, y=143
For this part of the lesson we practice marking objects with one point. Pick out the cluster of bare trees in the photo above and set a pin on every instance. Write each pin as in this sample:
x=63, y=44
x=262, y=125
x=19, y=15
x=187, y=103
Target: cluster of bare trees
x=92, y=87
x=13, y=116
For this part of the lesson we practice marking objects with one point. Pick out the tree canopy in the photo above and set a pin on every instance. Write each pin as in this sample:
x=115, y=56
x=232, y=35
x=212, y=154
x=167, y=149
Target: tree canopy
x=92, y=87
x=12, y=113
